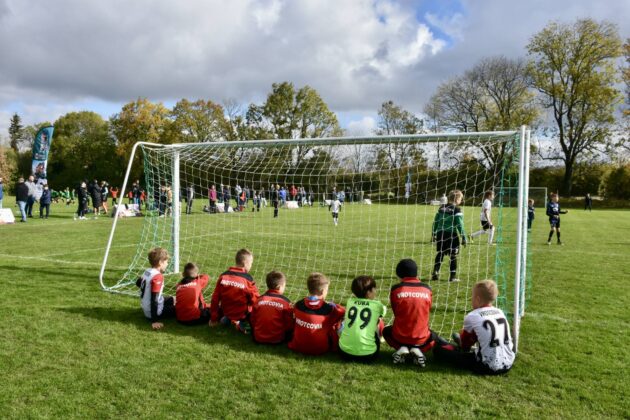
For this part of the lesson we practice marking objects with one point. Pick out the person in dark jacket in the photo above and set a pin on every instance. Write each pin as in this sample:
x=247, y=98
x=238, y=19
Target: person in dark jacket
x=44, y=202
x=21, y=197
x=82, y=198
x=95, y=194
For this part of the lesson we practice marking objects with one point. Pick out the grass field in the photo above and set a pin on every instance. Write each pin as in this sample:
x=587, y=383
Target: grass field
x=67, y=349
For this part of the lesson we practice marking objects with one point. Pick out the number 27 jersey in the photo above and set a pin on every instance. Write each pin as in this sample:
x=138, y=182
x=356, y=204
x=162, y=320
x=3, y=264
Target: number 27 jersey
x=491, y=329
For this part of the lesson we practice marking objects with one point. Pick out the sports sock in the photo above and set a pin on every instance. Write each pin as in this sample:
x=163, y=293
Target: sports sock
x=558, y=235
x=491, y=235
x=479, y=232
x=550, y=235
x=438, y=262
x=453, y=266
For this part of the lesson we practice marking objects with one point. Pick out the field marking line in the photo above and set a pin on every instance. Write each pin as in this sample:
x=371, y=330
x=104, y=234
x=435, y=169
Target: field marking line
x=57, y=261
x=551, y=317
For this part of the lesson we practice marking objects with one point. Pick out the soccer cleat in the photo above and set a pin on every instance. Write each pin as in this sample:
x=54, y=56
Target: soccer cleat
x=560, y=243
x=400, y=355
x=417, y=357
x=453, y=280
x=548, y=242
x=243, y=326
x=435, y=277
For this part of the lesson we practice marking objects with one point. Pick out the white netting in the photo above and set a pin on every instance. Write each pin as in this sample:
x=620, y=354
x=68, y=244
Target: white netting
x=392, y=188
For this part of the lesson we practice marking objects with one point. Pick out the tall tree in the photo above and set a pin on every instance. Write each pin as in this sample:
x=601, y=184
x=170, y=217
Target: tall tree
x=16, y=132
x=493, y=95
x=83, y=149
x=199, y=121
x=573, y=68
x=394, y=120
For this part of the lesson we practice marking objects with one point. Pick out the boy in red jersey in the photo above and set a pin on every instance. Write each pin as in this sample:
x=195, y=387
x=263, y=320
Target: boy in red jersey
x=192, y=308
x=316, y=321
x=235, y=294
x=411, y=303
x=272, y=316
x=154, y=304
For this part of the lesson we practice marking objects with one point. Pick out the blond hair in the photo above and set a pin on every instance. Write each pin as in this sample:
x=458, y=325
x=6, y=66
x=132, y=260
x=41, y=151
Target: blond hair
x=243, y=255
x=316, y=283
x=486, y=290
x=455, y=195
x=157, y=255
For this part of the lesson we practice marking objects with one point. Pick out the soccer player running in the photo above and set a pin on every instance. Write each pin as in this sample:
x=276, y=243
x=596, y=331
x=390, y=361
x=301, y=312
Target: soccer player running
x=554, y=212
x=448, y=226
x=335, y=207
x=486, y=218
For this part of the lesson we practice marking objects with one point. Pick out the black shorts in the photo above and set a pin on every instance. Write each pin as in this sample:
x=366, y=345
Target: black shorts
x=447, y=242
x=335, y=215
x=485, y=225
x=554, y=222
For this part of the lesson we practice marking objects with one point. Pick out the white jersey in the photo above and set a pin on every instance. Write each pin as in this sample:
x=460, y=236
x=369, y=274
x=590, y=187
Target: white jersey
x=335, y=206
x=485, y=207
x=151, y=279
x=492, y=330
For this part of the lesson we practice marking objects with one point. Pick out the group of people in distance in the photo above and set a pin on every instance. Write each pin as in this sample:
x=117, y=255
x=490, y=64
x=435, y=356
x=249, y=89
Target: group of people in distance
x=313, y=326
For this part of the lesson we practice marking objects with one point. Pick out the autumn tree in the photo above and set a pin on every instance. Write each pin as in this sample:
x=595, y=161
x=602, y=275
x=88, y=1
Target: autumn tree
x=199, y=121
x=573, y=68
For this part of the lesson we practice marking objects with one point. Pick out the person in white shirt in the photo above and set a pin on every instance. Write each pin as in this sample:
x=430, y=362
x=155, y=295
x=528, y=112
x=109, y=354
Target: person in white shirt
x=487, y=327
x=335, y=206
x=486, y=218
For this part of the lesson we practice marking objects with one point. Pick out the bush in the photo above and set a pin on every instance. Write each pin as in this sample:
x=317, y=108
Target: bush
x=617, y=184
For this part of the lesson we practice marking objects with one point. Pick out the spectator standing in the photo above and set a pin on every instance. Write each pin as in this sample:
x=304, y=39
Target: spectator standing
x=588, y=202
x=82, y=199
x=212, y=198
x=226, y=198
x=95, y=195
x=114, y=192
x=190, y=195
x=44, y=202
x=104, y=194
x=21, y=197
x=32, y=190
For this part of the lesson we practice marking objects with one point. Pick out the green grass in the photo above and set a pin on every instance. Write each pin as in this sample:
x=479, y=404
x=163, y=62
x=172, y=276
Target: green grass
x=67, y=349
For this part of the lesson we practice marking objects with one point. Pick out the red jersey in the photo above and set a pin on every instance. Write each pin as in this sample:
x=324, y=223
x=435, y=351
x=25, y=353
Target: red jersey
x=315, y=330
x=234, y=295
x=411, y=303
x=272, y=318
x=189, y=298
x=114, y=192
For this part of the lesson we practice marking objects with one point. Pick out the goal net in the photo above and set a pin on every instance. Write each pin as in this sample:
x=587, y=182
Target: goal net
x=390, y=189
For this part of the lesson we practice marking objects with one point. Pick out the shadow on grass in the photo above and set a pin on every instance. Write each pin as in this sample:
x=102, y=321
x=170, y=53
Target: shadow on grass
x=236, y=341
x=76, y=273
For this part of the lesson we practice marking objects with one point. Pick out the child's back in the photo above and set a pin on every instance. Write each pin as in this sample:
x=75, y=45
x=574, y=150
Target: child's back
x=191, y=306
x=272, y=315
x=316, y=320
x=489, y=326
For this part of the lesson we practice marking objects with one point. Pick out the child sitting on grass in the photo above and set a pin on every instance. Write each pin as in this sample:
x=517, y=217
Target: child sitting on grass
x=487, y=326
x=154, y=304
x=411, y=303
x=272, y=316
x=363, y=326
x=316, y=321
x=191, y=307
x=235, y=294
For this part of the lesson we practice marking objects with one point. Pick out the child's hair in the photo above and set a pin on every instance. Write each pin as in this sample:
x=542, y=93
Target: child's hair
x=486, y=290
x=242, y=255
x=316, y=283
x=362, y=285
x=275, y=279
x=488, y=194
x=157, y=255
x=407, y=268
x=190, y=270
x=454, y=195
x=530, y=201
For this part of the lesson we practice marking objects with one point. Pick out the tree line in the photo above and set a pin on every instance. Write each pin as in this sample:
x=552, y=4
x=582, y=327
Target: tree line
x=566, y=87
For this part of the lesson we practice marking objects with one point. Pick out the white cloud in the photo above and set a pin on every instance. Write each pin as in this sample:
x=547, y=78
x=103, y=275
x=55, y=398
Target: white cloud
x=362, y=127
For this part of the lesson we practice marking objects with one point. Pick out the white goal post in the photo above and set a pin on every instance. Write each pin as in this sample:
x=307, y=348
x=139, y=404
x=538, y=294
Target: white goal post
x=391, y=228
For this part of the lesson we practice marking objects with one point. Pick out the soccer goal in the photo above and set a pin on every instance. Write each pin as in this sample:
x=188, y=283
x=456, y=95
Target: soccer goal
x=388, y=188
x=538, y=194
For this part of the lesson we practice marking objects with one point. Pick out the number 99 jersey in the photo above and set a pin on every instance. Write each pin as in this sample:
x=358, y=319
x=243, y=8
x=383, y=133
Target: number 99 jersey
x=359, y=336
x=491, y=329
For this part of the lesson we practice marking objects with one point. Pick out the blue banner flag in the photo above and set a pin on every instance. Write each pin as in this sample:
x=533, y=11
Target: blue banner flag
x=41, y=148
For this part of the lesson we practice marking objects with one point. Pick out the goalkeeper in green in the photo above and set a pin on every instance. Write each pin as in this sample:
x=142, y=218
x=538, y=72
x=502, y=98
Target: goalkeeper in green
x=448, y=227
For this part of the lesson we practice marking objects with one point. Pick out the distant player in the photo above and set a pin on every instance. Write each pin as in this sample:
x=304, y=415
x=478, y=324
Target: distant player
x=335, y=207
x=487, y=326
x=554, y=212
x=448, y=226
x=531, y=214
x=275, y=197
x=316, y=321
x=363, y=326
x=235, y=294
x=486, y=218
x=272, y=315
x=191, y=308
x=154, y=304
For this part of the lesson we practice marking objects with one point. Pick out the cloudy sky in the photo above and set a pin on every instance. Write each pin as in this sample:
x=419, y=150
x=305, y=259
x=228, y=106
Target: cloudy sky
x=67, y=55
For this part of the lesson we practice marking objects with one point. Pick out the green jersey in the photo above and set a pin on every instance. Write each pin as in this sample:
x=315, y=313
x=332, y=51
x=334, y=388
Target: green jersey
x=360, y=328
x=449, y=218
